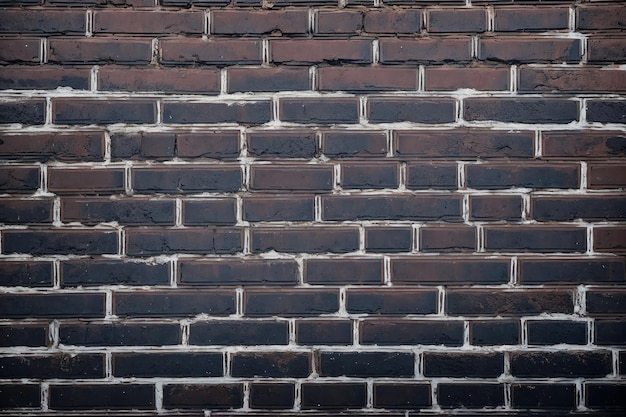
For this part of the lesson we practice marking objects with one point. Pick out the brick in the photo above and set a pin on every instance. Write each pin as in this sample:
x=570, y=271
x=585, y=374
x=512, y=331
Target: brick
x=177, y=303
x=606, y=175
x=247, y=80
x=167, y=80
x=610, y=332
x=605, y=396
x=197, y=396
x=19, y=395
x=470, y=395
x=343, y=271
x=271, y=364
x=233, y=272
x=320, y=51
x=28, y=335
x=441, y=270
x=100, y=50
x=15, y=179
x=25, y=211
x=324, y=332
x=22, y=50
x=425, y=50
x=609, y=49
x=311, y=240
x=529, y=50
x=359, y=175
x=590, y=208
x=605, y=302
x=428, y=175
x=557, y=332
x=464, y=143
x=62, y=366
x=142, y=146
x=603, y=17
x=186, y=179
x=278, y=208
x=31, y=112
x=392, y=21
x=111, y=396
x=221, y=211
x=330, y=22
x=249, y=333
x=354, y=144
x=537, y=176
x=606, y=111
x=285, y=144
x=388, y=239
x=52, y=305
x=584, y=144
x=319, y=110
x=215, y=51
x=291, y=178
x=532, y=79
x=449, y=78
x=249, y=112
x=521, y=110
x=333, y=395
x=96, y=272
x=609, y=239
x=366, y=364
x=82, y=111
x=394, y=301
x=218, y=240
x=272, y=396
x=99, y=210
x=411, y=332
x=447, y=239
x=71, y=147
x=26, y=274
x=119, y=334
x=138, y=365
x=290, y=303
x=367, y=79
x=189, y=3
x=570, y=364
x=494, y=332
x=390, y=110
x=457, y=20
x=209, y=144
x=148, y=22
x=571, y=271
x=67, y=241
x=42, y=21
x=546, y=239
x=495, y=207
x=473, y=365
x=259, y=22
x=508, y=302
x=515, y=19
x=402, y=395
x=410, y=207
x=86, y=180
x=43, y=78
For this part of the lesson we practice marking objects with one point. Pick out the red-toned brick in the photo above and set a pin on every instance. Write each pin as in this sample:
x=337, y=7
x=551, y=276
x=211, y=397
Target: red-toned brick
x=100, y=50
x=168, y=80
x=367, y=78
x=216, y=51
x=319, y=110
x=43, y=78
x=609, y=239
x=19, y=179
x=529, y=50
x=392, y=21
x=478, y=78
x=315, y=51
x=363, y=175
x=346, y=144
x=148, y=22
x=282, y=144
x=531, y=19
x=495, y=207
x=299, y=239
x=388, y=239
x=450, y=270
x=606, y=175
x=427, y=175
x=22, y=50
x=191, y=179
x=534, y=79
x=457, y=20
x=291, y=178
x=259, y=22
x=247, y=80
x=447, y=239
x=87, y=111
x=594, y=207
x=606, y=49
x=86, y=181
x=425, y=50
x=355, y=271
x=339, y=22
x=150, y=241
x=584, y=144
x=42, y=21
x=601, y=17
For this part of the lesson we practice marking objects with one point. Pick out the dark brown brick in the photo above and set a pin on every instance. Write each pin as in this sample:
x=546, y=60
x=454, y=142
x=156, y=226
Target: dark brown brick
x=388, y=239
x=554, y=332
x=290, y=303
x=86, y=180
x=20, y=395
x=495, y=332
x=472, y=365
x=282, y=144
x=531, y=19
x=187, y=179
x=390, y=110
x=411, y=332
x=215, y=51
x=457, y=20
x=238, y=272
x=176, y=303
x=198, y=396
x=26, y=274
x=229, y=333
x=221, y=211
x=209, y=144
x=331, y=22
x=453, y=270
x=272, y=396
x=402, y=395
x=391, y=301
x=71, y=147
x=537, y=176
x=529, y=50
x=61, y=241
x=315, y=51
x=27, y=335
x=96, y=272
x=428, y=175
x=112, y=396
x=447, y=239
x=495, y=207
x=181, y=365
x=119, y=334
x=291, y=178
x=606, y=175
x=324, y=332
x=606, y=111
x=42, y=21
x=535, y=239
x=410, y=207
x=299, y=239
x=521, y=110
x=568, y=208
x=149, y=241
x=568, y=364
x=509, y=302
x=606, y=302
x=392, y=21
x=319, y=110
x=167, y=80
x=354, y=144
x=360, y=175
x=125, y=211
x=425, y=50
x=142, y=146
x=148, y=22
x=25, y=211
x=343, y=271
x=267, y=79
x=100, y=50
x=449, y=78
x=366, y=364
x=584, y=144
x=340, y=395
x=470, y=395
x=367, y=78
x=14, y=179
x=259, y=22
x=82, y=111
x=609, y=239
x=63, y=366
x=52, y=305
x=571, y=270
x=606, y=49
x=534, y=79
x=271, y=364
x=550, y=396
x=249, y=112
x=278, y=208
x=43, y=78
x=600, y=17
x=31, y=112
x=23, y=50
x=464, y=143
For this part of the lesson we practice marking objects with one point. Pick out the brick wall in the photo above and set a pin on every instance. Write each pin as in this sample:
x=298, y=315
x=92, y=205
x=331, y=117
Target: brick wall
x=372, y=208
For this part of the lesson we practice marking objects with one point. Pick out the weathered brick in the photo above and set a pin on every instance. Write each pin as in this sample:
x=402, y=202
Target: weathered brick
x=534, y=79
x=96, y=272
x=271, y=364
x=259, y=22
x=509, y=302
x=529, y=50
x=367, y=78
x=150, y=241
x=515, y=19
x=606, y=111
x=43, y=78
x=86, y=180
x=447, y=239
x=571, y=270
x=411, y=332
x=238, y=272
x=60, y=241
x=354, y=144
x=248, y=112
x=83, y=111
x=52, y=305
x=453, y=270
x=25, y=274
x=215, y=51
x=230, y=333
x=331, y=22
x=214, y=396
x=398, y=300
x=425, y=50
x=176, y=303
x=100, y=50
x=187, y=179
x=148, y=22
x=319, y=110
x=282, y=144
x=600, y=17
x=28, y=335
x=561, y=364
x=609, y=239
x=71, y=147
x=278, y=208
x=521, y=110
x=448, y=78
x=584, y=144
x=495, y=207
x=392, y=21
x=324, y=332
x=428, y=175
x=63, y=366
x=64, y=22
x=388, y=239
x=142, y=146
x=294, y=178
x=300, y=239
x=290, y=303
x=111, y=396
x=248, y=80
x=500, y=176
x=221, y=211
x=606, y=49
x=390, y=110
x=18, y=51
x=167, y=80
x=317, y=51
x=125, y=211
x=28, y=112
x=457, y=20
x=591, y=208
x=343, y=271
x=25, y=211
x=472, y=365
x=360, y=175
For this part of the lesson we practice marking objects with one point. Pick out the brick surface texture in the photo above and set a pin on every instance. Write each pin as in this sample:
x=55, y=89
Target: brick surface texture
x=381, y=208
